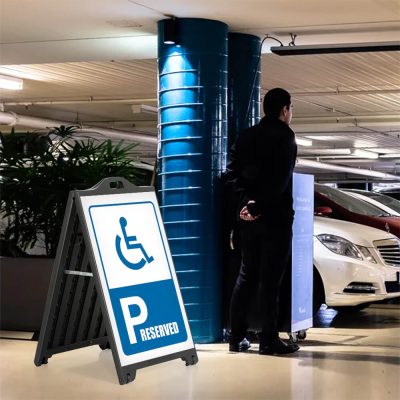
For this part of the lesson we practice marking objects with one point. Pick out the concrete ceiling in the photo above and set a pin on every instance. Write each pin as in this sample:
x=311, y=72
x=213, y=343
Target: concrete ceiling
x=93, y=61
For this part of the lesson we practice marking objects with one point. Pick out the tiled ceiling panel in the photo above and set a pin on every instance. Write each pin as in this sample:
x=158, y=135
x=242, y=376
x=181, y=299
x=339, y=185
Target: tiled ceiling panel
x=84, y=79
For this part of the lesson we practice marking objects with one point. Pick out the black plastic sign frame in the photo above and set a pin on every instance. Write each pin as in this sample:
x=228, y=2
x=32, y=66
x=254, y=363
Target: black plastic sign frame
x=88, y=303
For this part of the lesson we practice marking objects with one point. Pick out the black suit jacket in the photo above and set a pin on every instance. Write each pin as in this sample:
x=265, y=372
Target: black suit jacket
x=260, y=168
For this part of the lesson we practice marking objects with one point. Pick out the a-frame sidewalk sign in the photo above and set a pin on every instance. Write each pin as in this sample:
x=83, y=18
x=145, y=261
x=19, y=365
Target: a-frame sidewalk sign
x=114, y=283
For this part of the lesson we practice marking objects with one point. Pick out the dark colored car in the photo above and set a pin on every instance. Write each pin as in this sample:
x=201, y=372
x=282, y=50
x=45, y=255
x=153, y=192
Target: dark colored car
x=349, y=208
x=392, y=192
x=388, y=201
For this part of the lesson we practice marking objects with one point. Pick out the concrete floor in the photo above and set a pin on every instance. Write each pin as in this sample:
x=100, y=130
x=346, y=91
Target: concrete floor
x=343, y=357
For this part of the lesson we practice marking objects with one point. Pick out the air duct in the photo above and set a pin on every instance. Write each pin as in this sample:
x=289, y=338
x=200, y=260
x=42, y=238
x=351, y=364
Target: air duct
x=12, y=119
x=302, y=163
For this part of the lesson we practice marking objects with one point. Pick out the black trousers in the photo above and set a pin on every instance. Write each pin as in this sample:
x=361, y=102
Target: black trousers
x=266, y=255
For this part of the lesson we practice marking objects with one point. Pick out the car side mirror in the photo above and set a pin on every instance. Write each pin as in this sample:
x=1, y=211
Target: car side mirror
x=322, y=211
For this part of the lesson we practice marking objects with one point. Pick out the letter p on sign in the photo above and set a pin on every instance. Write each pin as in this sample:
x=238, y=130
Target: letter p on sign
x=130, y=322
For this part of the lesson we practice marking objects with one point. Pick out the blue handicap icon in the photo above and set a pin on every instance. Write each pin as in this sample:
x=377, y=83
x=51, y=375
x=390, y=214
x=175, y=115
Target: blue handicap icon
x=131, y=243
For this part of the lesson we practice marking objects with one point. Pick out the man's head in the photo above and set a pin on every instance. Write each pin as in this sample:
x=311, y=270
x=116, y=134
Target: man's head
x=277, y=105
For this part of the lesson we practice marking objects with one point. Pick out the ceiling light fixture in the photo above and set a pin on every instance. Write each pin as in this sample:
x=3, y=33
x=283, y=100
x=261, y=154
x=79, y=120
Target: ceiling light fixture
x=170, y=31
x=336, y=151
x=364, y=154
x=303, y=142
x=322, y=137
x=143, y=108
x=293, y=50
x=332, y=157
x=11, y=83
x=392, y=155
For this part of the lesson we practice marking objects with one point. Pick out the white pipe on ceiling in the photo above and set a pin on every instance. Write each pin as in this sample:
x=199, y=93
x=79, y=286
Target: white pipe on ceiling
x=12, y=119
x=99, y=100
x=339, y=168
x=347, y=121
x=79, y=101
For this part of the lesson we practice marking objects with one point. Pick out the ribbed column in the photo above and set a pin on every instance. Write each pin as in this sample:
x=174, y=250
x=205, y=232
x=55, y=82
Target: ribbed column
x=192, y=147
x=244, y=70
x=243, y=111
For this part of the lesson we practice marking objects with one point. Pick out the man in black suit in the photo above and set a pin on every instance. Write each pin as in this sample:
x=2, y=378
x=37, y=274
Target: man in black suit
x=261, y=164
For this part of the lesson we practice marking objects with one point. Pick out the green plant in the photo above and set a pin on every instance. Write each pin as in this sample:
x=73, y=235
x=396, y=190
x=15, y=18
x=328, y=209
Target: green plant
x=35, y=182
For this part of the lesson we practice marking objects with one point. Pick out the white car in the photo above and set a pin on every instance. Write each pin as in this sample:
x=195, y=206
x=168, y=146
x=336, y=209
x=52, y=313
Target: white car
x=354, y=264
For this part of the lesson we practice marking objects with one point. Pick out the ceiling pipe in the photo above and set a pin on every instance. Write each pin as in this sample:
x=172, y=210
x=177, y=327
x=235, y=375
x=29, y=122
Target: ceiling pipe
x=340, y=92
x=77, y=101
x=12, y=119
x=347, y=121
x=351, y=118
x=302, y=163
x=154, y=99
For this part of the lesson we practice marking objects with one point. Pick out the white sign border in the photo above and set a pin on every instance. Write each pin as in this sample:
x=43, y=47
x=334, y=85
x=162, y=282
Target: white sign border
x=124, y=198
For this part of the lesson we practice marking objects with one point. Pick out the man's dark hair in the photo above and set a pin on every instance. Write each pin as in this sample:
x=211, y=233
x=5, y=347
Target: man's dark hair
x=274, y=101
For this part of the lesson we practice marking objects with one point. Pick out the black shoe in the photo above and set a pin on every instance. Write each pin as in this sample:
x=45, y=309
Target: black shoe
x=278, y=346
x=242, y=346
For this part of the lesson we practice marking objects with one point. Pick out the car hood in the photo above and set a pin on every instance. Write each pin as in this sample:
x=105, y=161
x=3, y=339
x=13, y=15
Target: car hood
x=356, y=233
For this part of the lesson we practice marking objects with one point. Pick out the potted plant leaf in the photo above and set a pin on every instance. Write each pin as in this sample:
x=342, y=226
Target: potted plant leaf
x=37, y=173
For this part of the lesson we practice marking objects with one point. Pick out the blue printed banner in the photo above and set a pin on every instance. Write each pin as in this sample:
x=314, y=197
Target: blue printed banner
x=302, y=252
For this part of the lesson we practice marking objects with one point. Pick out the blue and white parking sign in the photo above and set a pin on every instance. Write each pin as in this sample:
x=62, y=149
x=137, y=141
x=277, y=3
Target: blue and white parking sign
x=137, y=276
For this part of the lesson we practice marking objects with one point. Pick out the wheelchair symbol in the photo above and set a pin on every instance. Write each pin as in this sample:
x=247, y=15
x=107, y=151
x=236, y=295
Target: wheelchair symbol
x=130, y=245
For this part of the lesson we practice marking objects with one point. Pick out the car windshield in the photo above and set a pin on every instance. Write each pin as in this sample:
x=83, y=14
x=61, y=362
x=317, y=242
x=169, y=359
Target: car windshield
x=349, y=202
x=394, y=204
x=388, y=201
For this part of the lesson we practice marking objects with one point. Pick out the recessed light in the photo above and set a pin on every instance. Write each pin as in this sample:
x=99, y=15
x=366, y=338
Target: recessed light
x=11, y=83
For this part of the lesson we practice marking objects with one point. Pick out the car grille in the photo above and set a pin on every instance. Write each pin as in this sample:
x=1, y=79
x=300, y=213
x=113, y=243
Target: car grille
x=389, y=250
x=392, y=287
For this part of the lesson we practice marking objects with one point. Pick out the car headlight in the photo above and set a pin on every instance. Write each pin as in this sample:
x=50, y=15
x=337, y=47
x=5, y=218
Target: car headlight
x=366, y=254
x=344, y=247
x=340, y=246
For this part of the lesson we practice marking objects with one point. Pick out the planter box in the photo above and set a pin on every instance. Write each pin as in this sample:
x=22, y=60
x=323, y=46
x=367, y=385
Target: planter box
x=24, y=283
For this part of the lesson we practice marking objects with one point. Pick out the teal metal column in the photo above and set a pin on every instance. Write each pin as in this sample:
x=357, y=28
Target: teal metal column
x=243, y=111
x=192, y=150
x=244, y=70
